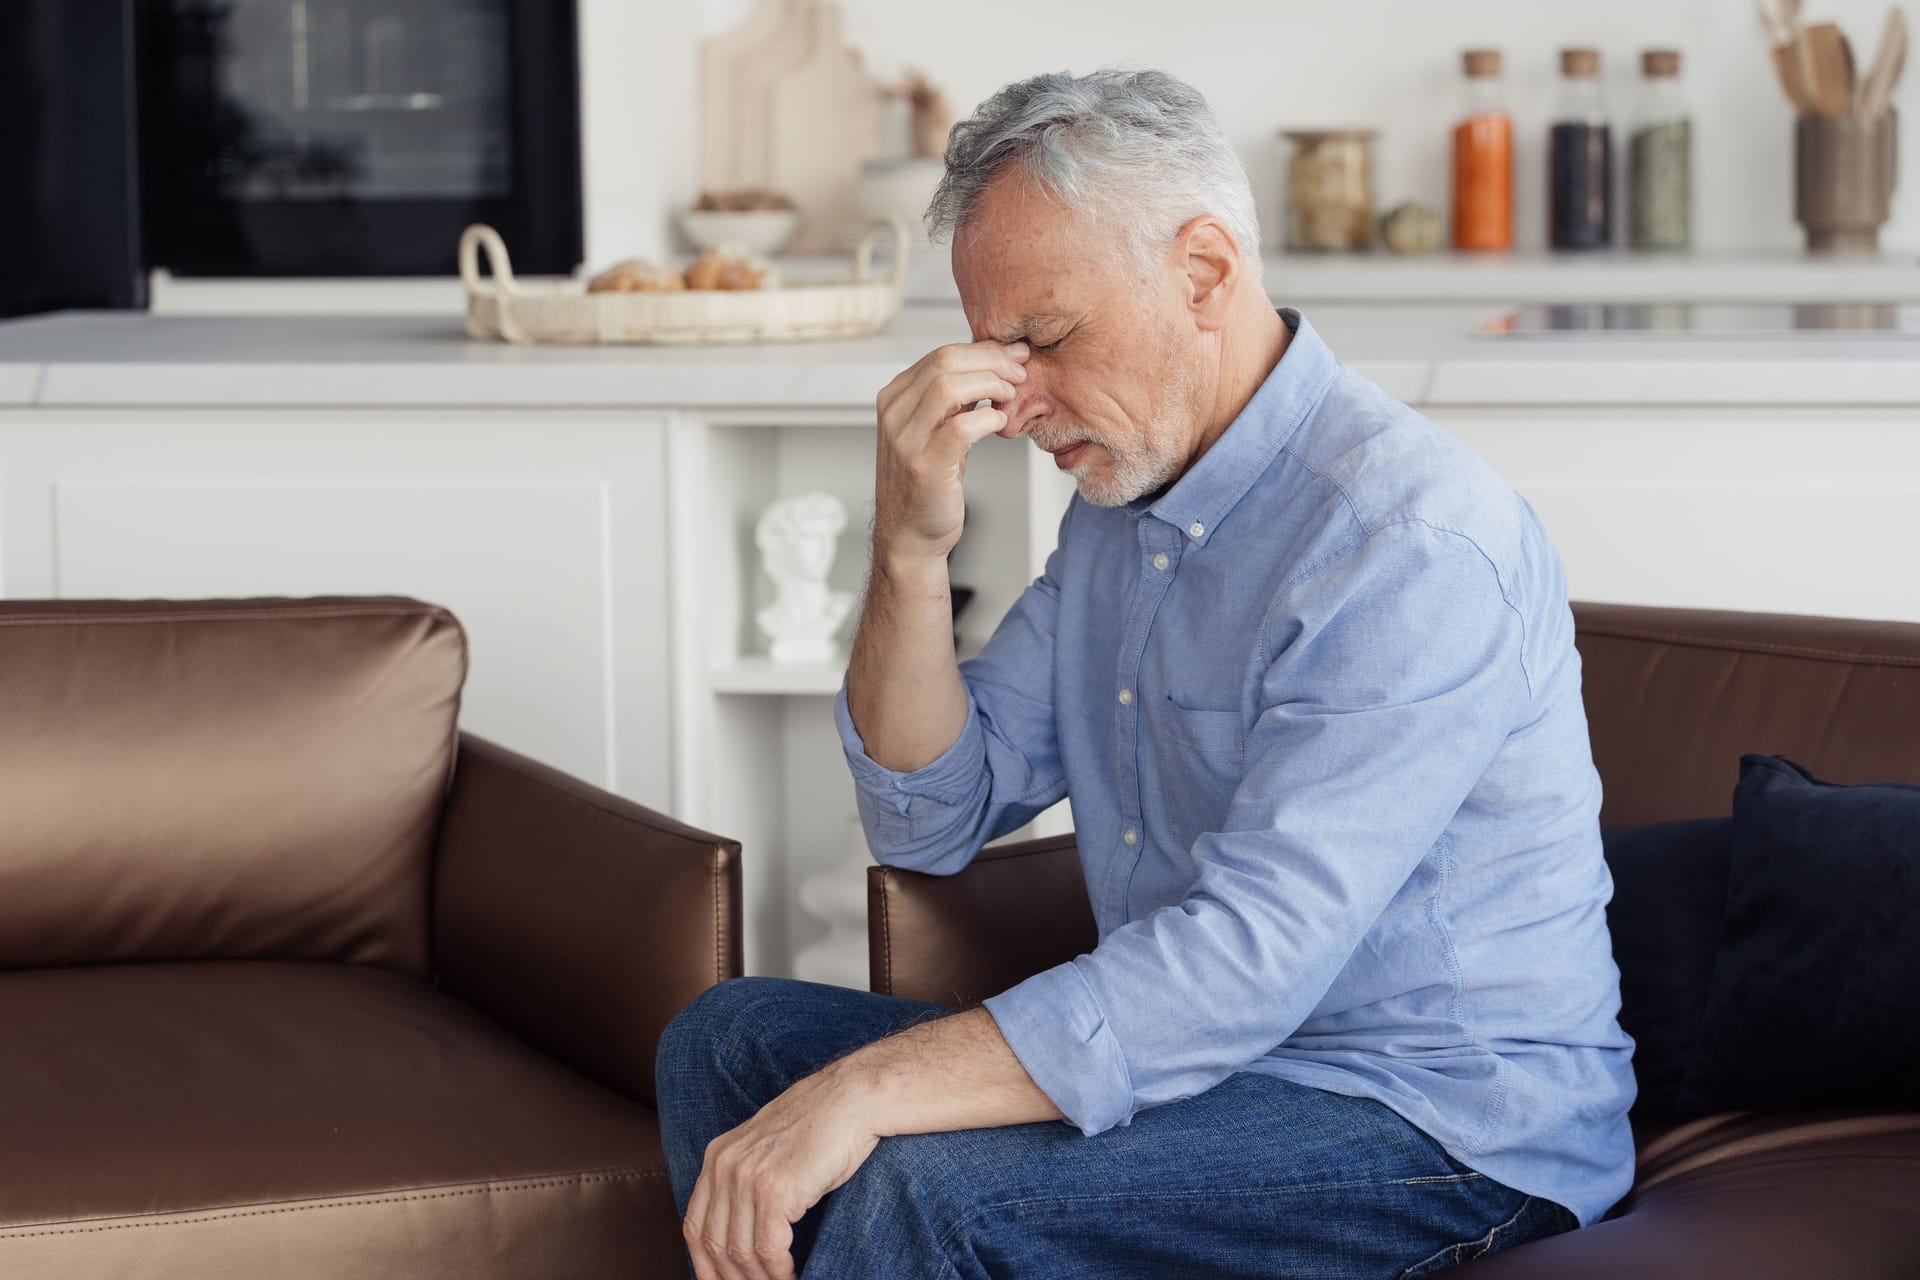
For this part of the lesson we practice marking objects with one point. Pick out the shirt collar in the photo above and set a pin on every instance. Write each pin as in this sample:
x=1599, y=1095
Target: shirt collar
x=1198, y=501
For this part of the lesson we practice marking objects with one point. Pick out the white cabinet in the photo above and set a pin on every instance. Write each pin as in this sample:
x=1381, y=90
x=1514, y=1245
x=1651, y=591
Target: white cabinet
x=544, y=533
x=1789, y=510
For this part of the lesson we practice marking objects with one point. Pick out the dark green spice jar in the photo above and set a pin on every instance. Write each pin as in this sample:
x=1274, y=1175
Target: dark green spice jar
x=1660, y=159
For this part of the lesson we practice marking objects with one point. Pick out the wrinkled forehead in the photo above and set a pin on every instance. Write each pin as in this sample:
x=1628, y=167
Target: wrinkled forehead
x=1022, y=262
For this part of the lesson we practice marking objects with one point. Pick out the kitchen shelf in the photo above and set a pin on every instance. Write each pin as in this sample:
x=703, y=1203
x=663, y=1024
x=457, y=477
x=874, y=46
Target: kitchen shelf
x=1611, y=276
x=1533, y=275
x=764, y=675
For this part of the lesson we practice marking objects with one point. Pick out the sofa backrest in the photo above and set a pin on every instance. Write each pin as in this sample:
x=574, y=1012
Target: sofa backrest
x=222, y=779
x=1674, y=697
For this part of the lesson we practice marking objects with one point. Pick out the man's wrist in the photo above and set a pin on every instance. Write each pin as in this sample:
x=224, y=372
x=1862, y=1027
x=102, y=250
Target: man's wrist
x=861, y=1084
x=911, y=572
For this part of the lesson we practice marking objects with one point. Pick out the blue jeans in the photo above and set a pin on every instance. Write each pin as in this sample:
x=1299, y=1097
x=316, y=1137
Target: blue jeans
x=1256, y=1177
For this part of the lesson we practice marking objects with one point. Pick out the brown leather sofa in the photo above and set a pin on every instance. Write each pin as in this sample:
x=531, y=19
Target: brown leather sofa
x=297, y=980
x=1674, y=697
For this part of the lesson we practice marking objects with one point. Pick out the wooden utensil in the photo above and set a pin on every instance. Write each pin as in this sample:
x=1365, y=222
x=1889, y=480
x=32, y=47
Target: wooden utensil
x=1826, y=68
x=1786, y=65
x=1782, y=18
x=1876, y=91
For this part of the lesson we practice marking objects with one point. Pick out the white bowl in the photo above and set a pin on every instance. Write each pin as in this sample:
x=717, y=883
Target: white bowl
x=900, y=189
x=761, y=231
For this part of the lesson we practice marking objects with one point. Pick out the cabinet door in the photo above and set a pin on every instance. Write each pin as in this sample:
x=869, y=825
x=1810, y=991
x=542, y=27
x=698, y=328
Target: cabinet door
x=1789, y=510
x=545, y=535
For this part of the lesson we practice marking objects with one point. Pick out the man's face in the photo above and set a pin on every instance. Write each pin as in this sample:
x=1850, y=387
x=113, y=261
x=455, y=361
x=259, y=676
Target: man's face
x=1111, y=383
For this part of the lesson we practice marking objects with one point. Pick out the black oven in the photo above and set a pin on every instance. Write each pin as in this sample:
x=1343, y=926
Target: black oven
x=356, y=137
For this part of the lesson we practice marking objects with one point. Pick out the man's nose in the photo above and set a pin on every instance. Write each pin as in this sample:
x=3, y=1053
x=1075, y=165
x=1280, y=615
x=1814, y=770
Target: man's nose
x=1027, y=406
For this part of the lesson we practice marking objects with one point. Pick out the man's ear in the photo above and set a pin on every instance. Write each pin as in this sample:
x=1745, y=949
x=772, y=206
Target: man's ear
x=1206, y=251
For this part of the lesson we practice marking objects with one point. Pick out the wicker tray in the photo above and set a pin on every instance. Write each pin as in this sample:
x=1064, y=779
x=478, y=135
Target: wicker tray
x=502, y=307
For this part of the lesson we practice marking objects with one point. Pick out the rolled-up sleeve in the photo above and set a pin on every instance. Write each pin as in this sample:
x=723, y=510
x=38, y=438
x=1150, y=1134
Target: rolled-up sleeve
x=1397, y=672
x=1004, y=767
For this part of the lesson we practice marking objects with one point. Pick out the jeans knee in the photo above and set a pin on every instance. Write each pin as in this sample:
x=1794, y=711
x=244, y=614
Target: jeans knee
x=722, y=1027
x=697, y=1036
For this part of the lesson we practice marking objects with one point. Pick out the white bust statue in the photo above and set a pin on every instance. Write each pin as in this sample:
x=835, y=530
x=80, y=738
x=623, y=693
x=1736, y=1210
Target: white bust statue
x=797, y=537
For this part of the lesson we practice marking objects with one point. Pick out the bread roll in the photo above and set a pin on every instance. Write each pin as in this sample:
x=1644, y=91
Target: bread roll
x=730, y=267
x=636, y=275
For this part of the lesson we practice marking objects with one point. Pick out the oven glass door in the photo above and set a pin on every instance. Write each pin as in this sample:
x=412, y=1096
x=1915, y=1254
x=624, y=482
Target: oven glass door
x=357, y=137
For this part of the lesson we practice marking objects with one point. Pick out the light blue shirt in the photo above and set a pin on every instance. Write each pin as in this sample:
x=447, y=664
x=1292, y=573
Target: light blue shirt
x=1316, y=707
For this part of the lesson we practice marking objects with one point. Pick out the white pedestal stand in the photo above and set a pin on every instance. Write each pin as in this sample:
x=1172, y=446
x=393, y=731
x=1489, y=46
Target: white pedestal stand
x=837, y=894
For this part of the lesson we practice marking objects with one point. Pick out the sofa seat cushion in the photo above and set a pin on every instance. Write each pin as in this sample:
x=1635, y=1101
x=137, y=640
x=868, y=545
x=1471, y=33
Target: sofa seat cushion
x=262, y=1119
x=1756, y=1196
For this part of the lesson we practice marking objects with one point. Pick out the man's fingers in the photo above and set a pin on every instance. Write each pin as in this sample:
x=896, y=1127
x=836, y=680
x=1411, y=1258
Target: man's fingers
x=713, y=1223
x=741, y=1211
x=775, y=1246
x=963, y=430
x=909, y=387
x=950, y=393
x=693, y=1227
x=759, y=1240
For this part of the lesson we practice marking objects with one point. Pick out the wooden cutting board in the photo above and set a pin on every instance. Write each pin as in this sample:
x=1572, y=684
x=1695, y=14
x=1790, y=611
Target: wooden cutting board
x=787, y=104
x=829, y=116
x=740, y=70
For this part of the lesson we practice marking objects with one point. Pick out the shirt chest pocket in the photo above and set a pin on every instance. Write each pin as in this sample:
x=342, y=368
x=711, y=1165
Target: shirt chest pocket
x=1208, y=732
x=1202, y=757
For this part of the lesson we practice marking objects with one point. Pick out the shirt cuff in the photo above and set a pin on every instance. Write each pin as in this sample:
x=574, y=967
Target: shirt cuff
x=948, y=778
x=1055, y=1026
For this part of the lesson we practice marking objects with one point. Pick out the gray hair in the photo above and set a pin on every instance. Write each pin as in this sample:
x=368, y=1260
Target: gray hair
x=1137, y=152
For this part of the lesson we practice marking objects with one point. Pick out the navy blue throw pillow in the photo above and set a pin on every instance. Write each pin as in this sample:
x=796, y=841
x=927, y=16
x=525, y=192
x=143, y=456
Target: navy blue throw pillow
x=1667, y=917
x=1816, y=995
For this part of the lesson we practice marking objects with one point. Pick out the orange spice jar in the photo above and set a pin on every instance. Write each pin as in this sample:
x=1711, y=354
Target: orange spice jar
x=1483, y=159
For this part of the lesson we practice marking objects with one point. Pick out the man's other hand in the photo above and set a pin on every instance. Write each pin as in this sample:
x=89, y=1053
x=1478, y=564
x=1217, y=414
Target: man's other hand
x=760, y=1178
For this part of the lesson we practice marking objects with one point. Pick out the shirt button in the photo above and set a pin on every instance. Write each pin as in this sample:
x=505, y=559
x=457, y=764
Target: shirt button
x=1130, y=835
x=1126, y=697
x=1196, y=528
x=1160, y=561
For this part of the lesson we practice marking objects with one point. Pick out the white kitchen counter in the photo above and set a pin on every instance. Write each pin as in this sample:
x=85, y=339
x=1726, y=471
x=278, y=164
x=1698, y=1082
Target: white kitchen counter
x=1427, y=356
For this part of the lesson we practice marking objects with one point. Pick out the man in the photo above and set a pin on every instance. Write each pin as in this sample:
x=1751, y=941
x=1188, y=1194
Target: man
x=1304, y=666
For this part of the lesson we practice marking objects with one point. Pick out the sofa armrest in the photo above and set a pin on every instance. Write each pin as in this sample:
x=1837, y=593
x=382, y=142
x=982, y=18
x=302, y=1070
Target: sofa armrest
x=1013, y=911
x=581, y=921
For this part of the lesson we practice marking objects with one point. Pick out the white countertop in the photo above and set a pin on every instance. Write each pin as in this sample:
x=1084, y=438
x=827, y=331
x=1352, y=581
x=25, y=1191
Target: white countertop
x=1427, y=356
x=1299, y=279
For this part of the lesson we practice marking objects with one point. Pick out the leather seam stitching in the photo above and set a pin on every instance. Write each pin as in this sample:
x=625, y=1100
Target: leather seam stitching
x=261, y=615
x=339, y=1202
x=886, y=935
x=719, y=942
x=1754, y=646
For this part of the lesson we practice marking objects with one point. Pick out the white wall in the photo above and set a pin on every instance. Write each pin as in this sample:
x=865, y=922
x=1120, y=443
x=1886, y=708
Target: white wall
x=1265, y=65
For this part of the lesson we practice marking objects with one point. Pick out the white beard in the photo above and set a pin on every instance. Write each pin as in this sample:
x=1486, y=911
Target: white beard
x=1156, y=461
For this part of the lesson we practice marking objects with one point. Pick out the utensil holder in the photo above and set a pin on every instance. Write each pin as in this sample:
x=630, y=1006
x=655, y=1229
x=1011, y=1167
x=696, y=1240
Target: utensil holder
x=1843, y=177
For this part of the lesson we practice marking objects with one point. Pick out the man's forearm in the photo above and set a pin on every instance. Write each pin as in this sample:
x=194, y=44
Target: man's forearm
x=955, y=1072
x=903, y=685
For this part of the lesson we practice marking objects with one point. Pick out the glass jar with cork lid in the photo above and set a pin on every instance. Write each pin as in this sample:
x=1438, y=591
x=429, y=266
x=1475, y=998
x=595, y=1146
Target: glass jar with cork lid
x=1483, y=158
x=1330, y=189
x=1660, y=158
x=1580, y=158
